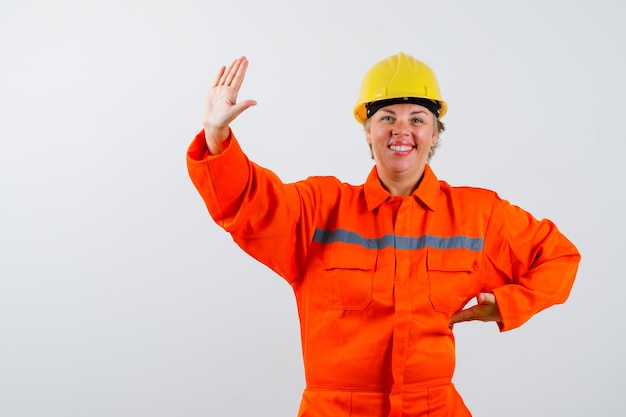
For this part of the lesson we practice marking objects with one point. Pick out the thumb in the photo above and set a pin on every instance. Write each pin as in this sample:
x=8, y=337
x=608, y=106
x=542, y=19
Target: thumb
x=236, y=109
x=245, y=104
x=486, y=298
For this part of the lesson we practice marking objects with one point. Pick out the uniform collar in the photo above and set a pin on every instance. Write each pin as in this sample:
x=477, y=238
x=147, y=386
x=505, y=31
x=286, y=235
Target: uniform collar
x=426, y=192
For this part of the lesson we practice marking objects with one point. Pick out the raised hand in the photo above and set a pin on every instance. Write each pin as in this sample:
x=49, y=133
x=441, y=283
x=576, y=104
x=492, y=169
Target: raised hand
x=220, y=105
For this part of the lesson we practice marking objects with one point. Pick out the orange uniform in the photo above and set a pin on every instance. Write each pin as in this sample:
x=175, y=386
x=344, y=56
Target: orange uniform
x=377, y=277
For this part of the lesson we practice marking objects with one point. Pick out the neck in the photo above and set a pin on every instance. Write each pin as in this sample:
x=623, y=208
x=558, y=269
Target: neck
x=402, y=184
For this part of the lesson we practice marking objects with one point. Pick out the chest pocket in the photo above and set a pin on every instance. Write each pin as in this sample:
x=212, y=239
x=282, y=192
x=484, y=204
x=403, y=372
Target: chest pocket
x=453, y=278
x=349, y=276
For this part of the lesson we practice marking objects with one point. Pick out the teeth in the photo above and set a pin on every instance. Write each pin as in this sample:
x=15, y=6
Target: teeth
x=402, y=148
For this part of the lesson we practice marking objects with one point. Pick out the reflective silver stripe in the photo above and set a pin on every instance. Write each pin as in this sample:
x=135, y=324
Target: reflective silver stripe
x=399, y=242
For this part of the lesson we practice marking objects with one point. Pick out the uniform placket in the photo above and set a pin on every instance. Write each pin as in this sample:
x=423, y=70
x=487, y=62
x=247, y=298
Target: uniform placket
x=402, y=295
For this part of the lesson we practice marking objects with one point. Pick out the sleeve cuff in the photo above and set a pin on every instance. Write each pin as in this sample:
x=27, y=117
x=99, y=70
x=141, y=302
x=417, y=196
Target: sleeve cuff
x=199, y=151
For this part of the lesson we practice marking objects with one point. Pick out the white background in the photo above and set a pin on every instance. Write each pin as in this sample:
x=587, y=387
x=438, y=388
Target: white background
x=120, y=297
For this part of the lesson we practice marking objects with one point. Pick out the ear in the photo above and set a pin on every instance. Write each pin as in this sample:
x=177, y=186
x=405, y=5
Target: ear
x=368, y=135
x=433, y=139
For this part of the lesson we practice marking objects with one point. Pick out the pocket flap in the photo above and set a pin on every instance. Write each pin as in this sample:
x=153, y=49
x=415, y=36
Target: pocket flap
x=347, y=256
x=452, y=260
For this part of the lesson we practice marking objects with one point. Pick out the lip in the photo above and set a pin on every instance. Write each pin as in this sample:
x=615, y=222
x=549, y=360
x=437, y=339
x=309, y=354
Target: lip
x=401, y=147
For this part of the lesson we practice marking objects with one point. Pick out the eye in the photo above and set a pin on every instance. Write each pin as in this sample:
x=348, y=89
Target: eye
x=386, y=118
x=417, y=120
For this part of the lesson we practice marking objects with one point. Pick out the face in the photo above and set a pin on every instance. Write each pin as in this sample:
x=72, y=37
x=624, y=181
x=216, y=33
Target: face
x=401, y=136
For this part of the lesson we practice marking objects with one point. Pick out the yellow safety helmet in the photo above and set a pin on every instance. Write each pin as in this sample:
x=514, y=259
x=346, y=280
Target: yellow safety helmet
x=398, y=77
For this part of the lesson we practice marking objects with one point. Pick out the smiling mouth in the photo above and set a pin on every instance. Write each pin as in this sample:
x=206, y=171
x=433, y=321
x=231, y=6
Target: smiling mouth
x=401, y=148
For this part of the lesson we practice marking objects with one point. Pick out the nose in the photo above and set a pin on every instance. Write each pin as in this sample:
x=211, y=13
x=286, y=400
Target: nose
x=401, y=127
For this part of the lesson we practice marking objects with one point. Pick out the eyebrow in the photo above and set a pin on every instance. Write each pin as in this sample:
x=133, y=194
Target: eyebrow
x=412, y=113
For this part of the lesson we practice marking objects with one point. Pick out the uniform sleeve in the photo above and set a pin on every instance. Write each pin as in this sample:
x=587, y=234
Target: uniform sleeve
x=534, y=263
x=263, y=215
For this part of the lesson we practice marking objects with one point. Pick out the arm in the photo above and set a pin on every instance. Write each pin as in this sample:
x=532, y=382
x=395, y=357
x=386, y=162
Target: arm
x=263, y=215
x=540, y=264
x=529, y=266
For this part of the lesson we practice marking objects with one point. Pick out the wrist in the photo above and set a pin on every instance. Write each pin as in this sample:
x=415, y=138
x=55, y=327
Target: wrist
x=216, y=138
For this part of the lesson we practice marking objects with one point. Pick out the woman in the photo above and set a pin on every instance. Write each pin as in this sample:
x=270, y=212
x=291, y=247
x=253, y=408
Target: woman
x=381, y=271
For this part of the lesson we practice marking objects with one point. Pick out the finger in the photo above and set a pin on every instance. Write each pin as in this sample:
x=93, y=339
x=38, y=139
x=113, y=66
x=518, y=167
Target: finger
x=478, y=312
x=219, y=76
x=233, y=71
x=225, y=73
x=240, y=74
x=465, y=315
x=246, y=104
x=241, y=106
x=486, y=298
